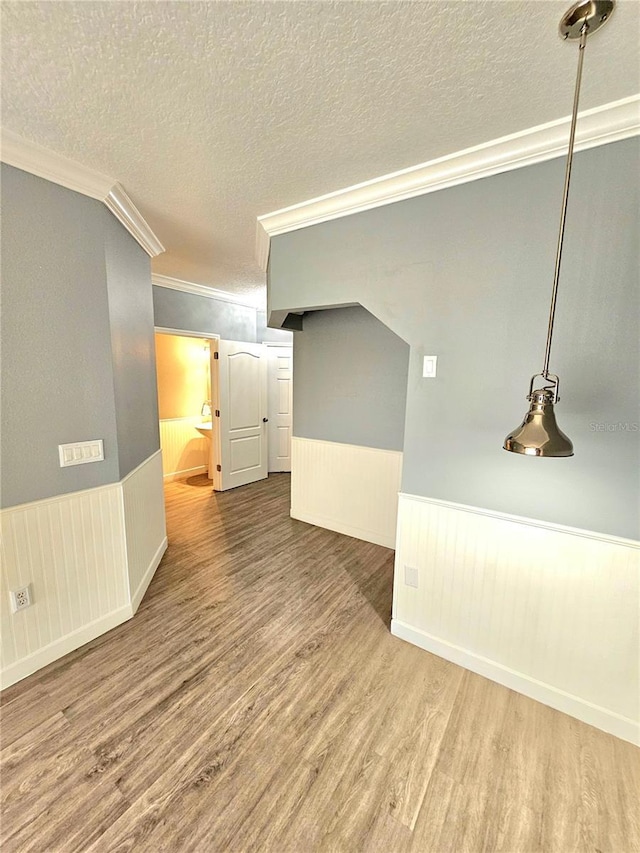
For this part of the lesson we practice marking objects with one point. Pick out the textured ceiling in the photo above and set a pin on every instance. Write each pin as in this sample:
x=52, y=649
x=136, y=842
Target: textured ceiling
x=212, y=113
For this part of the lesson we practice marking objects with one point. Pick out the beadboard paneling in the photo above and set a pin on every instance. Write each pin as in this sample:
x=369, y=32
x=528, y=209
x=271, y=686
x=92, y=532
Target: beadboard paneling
x=184, y=450
x=88, y=557
x=144, y=524
x=347, y=488
x=549, y=611
x=71, y=550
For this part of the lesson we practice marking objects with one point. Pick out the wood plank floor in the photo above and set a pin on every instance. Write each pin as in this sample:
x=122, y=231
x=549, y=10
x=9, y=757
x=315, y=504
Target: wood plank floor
x=257, y=702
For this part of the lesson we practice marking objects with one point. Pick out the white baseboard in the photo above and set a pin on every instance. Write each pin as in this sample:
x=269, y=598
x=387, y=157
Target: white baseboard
x=346, y=488
x=594, y=715
x=138, y=595
x=348, y=529
x=548, y=611
x=62, y=646
x=184, y=475
x=69, y=643
x=98, y=551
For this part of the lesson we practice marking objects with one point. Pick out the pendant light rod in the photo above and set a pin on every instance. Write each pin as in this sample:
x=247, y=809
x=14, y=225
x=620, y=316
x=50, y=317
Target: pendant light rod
x=539, y=433
x=563, y=215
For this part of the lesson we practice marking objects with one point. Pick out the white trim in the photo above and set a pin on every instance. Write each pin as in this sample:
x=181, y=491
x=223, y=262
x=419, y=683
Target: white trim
x=62, y=646
x=30, y=157
x=38, y=160
x=184, y=333
x=67, y=495
x=72, y=641
x=138, y=595
x=547, y=610
x=199, y=290
x=128, y=214
x=58, y=498
x=346, y=488
x=352, y=447
x=368, y=535
x=183, y=475
x=139, y=467
x=608, y=123
x=594, y=715
x=263, y=244
x=533, y=522
x=144, y=524
x=127, y=522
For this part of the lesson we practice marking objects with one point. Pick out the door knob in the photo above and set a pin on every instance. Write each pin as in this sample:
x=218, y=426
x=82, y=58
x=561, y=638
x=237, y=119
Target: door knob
x=265, y=420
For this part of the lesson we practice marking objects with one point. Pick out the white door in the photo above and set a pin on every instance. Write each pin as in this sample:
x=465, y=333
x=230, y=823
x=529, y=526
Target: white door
x=239, y=379
x=280, y=393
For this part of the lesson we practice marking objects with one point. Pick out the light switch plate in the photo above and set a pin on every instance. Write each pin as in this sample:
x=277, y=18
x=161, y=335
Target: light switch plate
x=429, y=366
x=81, y=452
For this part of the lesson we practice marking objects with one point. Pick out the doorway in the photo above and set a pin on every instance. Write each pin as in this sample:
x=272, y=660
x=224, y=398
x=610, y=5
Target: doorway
x=184, y=403
x=225, y=408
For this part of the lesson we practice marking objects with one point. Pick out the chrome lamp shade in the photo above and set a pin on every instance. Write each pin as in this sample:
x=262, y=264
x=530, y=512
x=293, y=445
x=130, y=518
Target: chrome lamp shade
x=539, y=434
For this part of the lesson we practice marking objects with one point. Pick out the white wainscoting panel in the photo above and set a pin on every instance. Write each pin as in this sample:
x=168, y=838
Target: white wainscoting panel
x=144, y=522
x=550, y=611
x=343, y=487
x=184, y=450
x=71, y=550
x=88, y=558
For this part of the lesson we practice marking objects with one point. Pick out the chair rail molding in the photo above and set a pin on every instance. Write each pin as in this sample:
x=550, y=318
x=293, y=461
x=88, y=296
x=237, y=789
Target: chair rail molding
x=546, y=610
x=97, y=552
x=610, y=122
x=38, y=160
x=347, y=488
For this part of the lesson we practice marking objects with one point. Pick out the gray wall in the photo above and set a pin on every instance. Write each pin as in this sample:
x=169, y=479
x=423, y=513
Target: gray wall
x=74, y=284
x=264, y=333
x=465, y=274
x=132, y=347
x=57, y=381
x=174, y=309
x=350, y=380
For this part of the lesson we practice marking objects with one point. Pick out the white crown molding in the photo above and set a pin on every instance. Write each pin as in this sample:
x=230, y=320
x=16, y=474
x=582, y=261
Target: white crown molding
x=199, y=290
x=30, y=157
x=125, y=210
x=609, y=123
x=263, y=241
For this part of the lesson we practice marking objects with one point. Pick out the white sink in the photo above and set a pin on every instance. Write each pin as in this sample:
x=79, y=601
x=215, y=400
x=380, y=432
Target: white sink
x=205, y=429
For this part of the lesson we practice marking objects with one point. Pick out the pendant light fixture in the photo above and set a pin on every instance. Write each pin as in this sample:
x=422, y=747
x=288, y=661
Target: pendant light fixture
x=539, y=434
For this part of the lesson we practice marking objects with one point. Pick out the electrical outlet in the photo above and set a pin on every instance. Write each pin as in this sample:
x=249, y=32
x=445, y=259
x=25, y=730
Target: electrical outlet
x=411, y=576
x=20, y=598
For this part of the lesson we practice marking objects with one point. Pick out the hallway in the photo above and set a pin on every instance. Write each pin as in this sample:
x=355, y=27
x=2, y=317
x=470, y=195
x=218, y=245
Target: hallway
x=257, y=701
